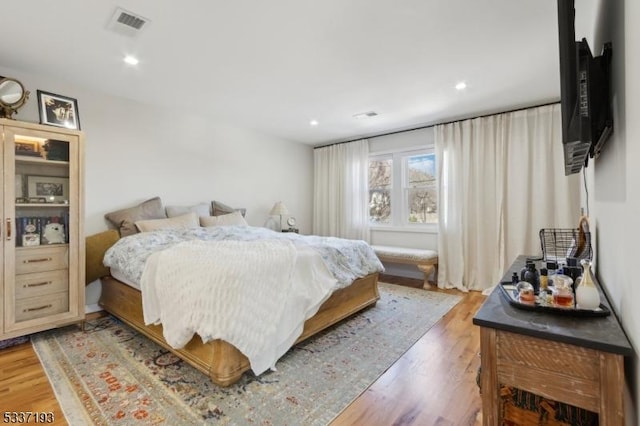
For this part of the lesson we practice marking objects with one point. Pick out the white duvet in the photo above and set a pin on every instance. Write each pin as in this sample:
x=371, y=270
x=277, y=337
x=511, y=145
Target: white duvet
x=255, y=295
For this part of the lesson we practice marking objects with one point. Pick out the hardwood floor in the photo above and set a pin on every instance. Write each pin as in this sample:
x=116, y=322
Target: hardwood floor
x=433, y=383
x=24, y=385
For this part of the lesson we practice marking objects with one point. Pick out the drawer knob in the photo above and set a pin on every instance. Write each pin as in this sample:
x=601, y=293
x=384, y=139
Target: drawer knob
x=44, y=259
x=39, y=308
x=37, y=284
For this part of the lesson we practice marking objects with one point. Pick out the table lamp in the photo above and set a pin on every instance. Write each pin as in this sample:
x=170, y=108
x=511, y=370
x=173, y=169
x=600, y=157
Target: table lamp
x=279, y=209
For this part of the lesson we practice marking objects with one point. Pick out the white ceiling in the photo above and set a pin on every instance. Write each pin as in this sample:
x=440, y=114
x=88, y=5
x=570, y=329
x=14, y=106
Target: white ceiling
x=275, y=65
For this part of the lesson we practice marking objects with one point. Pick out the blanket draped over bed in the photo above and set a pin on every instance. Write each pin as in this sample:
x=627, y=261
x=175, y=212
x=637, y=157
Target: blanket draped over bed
x=251, y=287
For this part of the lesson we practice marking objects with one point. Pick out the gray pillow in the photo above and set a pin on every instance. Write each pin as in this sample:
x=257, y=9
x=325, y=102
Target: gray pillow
x=219, y=209
x=124, y=220
x=201, y=209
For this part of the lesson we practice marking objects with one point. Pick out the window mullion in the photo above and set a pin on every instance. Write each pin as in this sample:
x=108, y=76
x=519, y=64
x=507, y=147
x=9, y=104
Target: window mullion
x=397, y=210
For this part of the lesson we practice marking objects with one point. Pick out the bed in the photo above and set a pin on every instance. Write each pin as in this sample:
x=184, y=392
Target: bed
x=355, y=289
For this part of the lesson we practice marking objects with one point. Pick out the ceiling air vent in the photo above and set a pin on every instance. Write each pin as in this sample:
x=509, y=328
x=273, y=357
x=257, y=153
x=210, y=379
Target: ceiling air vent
x=127, y=23
x=368, y=114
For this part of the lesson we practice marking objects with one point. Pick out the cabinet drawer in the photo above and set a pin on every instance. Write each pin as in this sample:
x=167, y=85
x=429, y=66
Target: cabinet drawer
x=42, y=306
x=41, y=259
x=41, y=283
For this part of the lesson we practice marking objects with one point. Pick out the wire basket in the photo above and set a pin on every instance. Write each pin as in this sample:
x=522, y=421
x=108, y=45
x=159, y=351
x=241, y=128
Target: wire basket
x=558, y=244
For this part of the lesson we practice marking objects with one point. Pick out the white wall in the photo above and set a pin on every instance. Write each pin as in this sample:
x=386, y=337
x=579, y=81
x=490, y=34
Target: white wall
x=425, y=239
x=615, y=194
x=136, y=151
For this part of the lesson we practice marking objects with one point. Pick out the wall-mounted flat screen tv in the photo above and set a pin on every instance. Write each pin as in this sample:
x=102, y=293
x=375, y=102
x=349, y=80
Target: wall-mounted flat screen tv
x=587, y=120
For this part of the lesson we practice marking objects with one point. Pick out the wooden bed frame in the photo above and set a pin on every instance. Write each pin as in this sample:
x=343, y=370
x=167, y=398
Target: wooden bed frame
x=220, y=360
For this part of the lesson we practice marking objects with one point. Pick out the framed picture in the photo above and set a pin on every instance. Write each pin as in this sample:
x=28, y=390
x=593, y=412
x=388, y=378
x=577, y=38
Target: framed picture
x=58, y=110
x=29, y=148
x=52, y=188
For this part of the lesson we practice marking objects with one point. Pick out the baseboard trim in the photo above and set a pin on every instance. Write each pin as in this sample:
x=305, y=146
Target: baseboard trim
x=89, y=309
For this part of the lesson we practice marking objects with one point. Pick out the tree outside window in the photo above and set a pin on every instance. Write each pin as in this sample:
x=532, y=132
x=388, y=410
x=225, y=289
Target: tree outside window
x=422, y=198
x=380, y=186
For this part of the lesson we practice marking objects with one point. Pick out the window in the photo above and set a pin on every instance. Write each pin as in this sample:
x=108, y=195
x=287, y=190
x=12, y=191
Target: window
x=420, y=188
x=380, y=179
x=403, y=189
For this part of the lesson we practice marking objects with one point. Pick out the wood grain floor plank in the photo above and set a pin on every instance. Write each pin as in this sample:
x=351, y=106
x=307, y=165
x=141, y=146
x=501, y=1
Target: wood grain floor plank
x=433, y=383
x=24, y=385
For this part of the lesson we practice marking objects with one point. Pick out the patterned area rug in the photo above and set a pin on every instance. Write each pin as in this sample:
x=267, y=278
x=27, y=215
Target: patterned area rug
x=111, y=375
x=14, y=341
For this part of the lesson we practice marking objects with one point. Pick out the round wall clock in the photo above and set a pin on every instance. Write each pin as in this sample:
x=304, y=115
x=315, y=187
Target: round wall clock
x=291, y=221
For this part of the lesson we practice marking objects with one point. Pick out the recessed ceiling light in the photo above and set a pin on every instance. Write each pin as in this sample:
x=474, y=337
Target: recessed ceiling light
x=461, y=86
x=313, y=123
x=367, y=114
x=131, y=60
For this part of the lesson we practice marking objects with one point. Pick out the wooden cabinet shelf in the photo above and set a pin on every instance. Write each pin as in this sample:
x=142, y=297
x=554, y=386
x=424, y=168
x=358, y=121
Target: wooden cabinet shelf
x=27, y=205
x=21, y=159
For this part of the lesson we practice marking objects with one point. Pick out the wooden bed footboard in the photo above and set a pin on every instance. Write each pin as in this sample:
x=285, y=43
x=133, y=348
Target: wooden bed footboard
x=218, y=359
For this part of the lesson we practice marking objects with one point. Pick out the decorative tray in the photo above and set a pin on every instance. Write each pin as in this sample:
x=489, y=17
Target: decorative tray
x=509, y=292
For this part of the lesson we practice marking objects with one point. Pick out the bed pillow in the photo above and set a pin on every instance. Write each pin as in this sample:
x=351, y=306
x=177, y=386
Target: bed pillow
x=189, y=220
x=230, y=219
x=124, y=220
x=202, y=209
x=219, y=209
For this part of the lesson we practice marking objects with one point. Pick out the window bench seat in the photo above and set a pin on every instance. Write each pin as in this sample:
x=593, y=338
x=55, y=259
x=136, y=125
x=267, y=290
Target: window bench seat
x=425, y=260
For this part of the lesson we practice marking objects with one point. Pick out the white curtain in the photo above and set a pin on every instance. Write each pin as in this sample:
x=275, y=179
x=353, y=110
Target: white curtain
x=341, y=190
x=501, y=179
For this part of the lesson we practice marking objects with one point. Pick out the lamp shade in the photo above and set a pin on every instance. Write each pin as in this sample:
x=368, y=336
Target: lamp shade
x=279, y=209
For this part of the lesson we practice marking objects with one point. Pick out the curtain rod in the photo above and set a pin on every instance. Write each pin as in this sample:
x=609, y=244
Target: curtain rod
x=437, y=124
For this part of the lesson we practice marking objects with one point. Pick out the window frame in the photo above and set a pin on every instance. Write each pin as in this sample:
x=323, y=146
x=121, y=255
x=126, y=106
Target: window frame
x=400, y=191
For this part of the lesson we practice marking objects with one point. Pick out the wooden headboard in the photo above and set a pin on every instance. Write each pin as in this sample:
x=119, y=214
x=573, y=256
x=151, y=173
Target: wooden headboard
x=96, y=245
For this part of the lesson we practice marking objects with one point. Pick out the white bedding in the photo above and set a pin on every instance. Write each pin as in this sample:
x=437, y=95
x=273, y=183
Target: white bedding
x=346, y=259
x=255, y=295
x=321, y=266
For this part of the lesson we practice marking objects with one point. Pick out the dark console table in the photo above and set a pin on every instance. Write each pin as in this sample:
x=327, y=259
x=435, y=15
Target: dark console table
x=575, y=360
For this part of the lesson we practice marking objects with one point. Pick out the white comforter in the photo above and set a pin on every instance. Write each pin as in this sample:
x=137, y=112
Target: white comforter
x=255, y=295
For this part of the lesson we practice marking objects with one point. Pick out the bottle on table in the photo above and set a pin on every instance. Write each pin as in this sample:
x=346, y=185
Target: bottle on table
x=524, y=269
x=587, y=295
x=552, y=270
x=515, y=279
x=563, y=291
x=544, y=279
x=532, y=276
